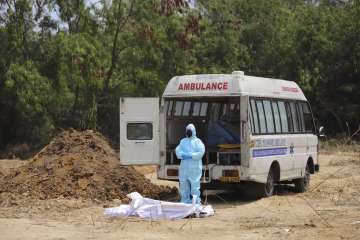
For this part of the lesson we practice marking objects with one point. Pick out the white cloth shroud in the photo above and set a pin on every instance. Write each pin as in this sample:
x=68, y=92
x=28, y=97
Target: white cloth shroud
x=154, y=209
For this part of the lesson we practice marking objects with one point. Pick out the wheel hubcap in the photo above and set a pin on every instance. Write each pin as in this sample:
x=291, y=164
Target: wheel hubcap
x=269, y=188
x=307, y=177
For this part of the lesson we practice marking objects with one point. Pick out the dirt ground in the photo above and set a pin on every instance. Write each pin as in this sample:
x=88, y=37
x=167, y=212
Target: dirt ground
x=329, y=210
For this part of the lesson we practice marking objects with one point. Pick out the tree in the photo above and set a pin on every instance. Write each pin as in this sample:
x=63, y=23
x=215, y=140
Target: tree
x=66, y=63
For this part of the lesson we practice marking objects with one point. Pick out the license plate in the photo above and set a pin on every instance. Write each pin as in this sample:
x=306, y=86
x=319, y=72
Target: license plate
x=229, y=179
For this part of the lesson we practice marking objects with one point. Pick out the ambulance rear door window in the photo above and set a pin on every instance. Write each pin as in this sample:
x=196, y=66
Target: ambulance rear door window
x=169, y=107
x=186, y=109
x=203, y=111
x=196, y=108
x=178, y=108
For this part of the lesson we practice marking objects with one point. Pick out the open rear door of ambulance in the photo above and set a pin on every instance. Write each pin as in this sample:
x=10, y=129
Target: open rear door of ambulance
x=139, y=131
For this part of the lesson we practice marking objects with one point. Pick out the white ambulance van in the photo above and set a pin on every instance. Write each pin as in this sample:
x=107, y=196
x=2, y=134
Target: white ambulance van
x=256, y=130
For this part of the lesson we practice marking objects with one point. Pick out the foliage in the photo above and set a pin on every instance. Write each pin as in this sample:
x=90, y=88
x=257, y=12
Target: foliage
x=66, y=63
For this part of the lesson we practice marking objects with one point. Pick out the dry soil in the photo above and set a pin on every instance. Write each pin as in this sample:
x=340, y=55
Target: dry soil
x=79, y=165
x=329, y=210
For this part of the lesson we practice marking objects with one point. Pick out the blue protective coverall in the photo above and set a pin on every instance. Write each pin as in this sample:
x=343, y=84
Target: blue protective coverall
x=190, y=151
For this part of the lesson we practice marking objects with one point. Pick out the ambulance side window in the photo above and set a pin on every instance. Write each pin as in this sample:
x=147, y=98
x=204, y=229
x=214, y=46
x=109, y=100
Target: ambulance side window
x=261, y=113
x=301, y=116
x=269, y=116
x=255, y=116
x=275, y=109
x=294, y=117
x=308, y=119
x=251, y=121
x=288, y=116
x=283, y=117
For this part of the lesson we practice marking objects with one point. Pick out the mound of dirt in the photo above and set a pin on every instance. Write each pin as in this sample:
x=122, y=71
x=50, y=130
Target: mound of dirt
x=6, y=165
x=79, y=165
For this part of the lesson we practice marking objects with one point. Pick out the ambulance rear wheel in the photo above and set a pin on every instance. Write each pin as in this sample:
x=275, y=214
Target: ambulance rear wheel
x=302, y=184
x=267, y=189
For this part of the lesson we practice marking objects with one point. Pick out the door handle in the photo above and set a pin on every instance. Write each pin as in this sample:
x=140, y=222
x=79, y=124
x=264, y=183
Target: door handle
x=137, y=142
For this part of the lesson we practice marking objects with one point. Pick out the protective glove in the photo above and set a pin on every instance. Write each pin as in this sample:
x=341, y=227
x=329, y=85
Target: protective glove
x=186, y=156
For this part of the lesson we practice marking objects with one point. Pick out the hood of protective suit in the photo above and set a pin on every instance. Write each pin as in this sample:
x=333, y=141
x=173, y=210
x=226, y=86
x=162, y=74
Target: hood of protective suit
x=192, y=128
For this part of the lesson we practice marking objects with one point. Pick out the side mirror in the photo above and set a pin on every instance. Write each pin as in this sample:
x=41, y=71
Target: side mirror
x=321, y=132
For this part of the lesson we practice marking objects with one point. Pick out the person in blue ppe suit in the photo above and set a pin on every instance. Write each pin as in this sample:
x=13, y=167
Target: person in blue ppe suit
x=190, y=150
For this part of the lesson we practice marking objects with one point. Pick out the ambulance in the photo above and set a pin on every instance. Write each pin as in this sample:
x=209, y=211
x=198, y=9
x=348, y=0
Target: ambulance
x=258, y=131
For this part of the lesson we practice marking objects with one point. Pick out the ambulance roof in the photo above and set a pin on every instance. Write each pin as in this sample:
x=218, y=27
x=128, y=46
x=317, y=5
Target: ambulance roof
x=235, y=84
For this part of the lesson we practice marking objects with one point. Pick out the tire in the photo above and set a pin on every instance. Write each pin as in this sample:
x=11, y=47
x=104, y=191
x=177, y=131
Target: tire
x=302, y=184
x=267, y=189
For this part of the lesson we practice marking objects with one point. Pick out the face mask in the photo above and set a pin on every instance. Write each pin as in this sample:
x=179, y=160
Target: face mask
x=188, y=133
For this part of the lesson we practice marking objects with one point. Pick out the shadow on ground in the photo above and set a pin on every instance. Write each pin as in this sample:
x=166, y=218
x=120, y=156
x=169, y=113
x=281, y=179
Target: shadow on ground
x=232, y=197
